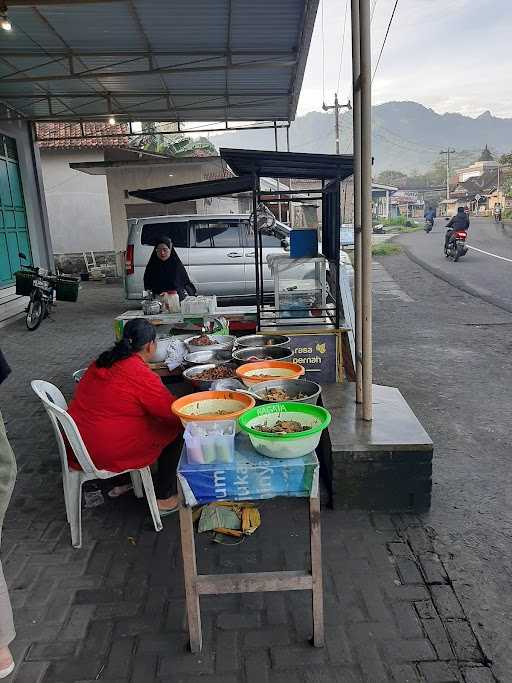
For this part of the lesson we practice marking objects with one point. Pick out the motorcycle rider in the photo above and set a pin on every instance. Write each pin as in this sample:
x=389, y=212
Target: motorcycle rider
x=458, y=222
x=429, y=215
x=497, y=212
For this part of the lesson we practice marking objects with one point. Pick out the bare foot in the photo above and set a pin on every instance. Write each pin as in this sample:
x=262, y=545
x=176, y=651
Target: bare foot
x=167, y=503
x=6, y=662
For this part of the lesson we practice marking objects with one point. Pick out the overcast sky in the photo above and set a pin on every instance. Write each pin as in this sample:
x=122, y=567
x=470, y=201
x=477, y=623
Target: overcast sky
x=450, y=55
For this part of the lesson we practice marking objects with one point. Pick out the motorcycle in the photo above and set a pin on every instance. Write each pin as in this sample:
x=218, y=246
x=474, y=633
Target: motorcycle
x=456, y=246
x=429, y=224
x=42, y=295
x=497, y=216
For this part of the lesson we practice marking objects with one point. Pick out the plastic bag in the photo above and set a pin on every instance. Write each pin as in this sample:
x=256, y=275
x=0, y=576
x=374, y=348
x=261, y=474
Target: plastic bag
x=176, y=352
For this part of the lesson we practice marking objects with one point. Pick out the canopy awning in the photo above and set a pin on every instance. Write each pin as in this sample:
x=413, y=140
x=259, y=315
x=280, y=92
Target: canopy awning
x=155, y=60
x=288, y=164
x=189, y=191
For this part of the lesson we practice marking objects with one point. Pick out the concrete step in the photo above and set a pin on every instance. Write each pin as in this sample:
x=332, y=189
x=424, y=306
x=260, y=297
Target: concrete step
x=11, y=305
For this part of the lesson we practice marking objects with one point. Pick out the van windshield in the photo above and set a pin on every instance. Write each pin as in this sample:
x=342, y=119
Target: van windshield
x=176, y=231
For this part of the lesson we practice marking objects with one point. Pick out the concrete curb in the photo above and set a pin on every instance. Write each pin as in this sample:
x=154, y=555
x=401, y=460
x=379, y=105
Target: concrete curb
x=455, y=282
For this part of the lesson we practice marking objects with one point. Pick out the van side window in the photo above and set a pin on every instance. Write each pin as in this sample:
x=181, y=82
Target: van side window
x=176, y=231
x=220, y=234
x=266, y=240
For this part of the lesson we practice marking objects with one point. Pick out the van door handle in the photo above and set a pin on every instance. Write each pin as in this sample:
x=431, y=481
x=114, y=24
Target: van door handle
x=234, y=254
x=251, y=254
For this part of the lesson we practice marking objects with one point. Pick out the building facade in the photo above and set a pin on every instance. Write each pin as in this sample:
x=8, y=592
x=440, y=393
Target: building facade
x=23, y=216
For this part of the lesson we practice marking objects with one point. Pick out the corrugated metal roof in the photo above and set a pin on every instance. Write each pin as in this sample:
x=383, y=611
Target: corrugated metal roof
x=185, y=60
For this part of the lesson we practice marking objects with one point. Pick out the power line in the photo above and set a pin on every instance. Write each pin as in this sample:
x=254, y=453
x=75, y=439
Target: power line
x=385, y=38
x=342, y=45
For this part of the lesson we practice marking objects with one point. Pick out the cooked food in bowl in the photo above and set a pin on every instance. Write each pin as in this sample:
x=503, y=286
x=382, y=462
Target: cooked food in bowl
x=257, y=353
x=278, y=394
x=285, y=430
x=210, y=405
x=281, y=427
x=254, y=373
x=220, y=372
x=203, y=340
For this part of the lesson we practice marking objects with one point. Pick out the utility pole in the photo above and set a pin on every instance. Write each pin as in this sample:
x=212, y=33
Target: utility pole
x=337, y=106
x=447, y=152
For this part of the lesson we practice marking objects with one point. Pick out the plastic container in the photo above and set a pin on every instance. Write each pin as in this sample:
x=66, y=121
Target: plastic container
x=66, y=288
x=304, y=243
x=212, y=442
x=294, y=445
x=24, y=282
x=204, y=406
x=253, y=373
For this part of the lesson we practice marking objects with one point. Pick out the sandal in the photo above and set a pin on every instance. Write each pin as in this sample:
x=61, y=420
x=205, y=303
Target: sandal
x=118, y=491
x=169, y=511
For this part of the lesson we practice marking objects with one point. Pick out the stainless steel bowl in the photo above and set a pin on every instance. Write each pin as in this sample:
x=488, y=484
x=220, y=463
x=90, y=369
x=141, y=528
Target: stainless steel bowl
x=293, y=387
x=253, y=340
x=200, y=384
x=215, y=356
x=222, y=341
x=258, y=353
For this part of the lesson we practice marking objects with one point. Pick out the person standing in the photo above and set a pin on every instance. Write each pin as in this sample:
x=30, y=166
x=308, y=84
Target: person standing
x=7, y=480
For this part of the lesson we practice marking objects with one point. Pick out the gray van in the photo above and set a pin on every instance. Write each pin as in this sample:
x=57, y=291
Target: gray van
x=216, y=250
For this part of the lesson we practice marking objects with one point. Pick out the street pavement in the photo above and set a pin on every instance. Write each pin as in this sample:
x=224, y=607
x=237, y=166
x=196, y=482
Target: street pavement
x=407, y=598
x=485, y=271
x=449, y=353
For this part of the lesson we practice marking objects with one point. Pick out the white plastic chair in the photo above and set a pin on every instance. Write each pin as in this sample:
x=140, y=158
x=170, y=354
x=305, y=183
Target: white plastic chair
x=72, y=480
x=78, y=374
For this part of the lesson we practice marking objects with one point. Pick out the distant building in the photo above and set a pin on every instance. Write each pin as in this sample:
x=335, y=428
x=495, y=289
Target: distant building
x=484, y=163
x=87, y=210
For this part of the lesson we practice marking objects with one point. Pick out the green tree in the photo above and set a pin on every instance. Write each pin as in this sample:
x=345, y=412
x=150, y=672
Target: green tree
x=393, y=178
x=506, y=159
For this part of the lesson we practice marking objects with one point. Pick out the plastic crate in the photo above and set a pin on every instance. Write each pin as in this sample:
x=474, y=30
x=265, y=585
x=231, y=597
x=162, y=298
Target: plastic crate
x=24, y=282
x=66, y=288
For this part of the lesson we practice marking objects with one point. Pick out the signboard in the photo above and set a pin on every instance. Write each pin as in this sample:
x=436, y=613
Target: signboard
x=317, y=353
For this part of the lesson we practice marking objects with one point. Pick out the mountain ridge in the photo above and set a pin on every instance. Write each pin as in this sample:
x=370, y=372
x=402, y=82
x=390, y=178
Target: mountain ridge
x=407, y=136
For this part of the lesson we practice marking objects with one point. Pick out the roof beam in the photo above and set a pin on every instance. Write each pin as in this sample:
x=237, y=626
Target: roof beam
x=139, y=95
x=33, y=3
x=278, y=64
x=249, y=52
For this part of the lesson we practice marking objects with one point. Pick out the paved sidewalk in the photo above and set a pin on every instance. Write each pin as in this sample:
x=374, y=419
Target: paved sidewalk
x=113, y=611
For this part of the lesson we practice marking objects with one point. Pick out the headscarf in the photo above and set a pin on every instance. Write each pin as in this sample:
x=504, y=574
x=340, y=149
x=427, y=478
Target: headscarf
x=166, y=276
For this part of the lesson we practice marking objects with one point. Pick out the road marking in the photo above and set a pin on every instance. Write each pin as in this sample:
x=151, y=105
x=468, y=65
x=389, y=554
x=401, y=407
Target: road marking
x=502, y=258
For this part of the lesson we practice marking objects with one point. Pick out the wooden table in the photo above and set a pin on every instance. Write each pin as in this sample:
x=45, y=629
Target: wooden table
x=263, y=478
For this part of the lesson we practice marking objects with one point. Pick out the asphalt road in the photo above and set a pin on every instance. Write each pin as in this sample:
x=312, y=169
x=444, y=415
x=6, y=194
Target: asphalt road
x=485, y=271
x=448, y=353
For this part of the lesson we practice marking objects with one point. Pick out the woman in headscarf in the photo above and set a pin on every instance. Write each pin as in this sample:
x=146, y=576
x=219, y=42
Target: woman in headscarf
x=165, y=273
x=123, y=413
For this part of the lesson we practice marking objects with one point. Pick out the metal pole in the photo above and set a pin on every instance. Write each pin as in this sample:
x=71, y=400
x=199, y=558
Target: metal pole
x=277, y=149
x=366, y=201
x=447, y=151
x=255, y=189
x=337, y=122
x=356, y=98
x=290, y=222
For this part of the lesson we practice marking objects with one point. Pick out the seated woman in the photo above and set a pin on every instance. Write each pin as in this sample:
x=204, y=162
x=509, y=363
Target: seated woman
x=123, y=413
x=166, y=273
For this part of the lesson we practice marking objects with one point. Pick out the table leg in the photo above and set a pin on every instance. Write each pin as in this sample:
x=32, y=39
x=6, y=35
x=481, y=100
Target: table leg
x=316, y=571
x=188, y=551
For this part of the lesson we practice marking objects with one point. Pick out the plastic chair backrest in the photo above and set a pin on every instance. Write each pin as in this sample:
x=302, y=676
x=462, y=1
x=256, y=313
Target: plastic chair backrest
x=56, y=407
